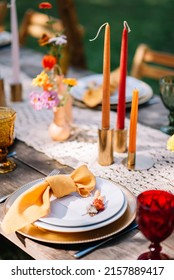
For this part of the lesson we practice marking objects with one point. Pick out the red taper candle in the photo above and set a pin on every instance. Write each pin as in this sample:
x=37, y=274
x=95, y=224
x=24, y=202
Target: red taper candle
x=121, y=108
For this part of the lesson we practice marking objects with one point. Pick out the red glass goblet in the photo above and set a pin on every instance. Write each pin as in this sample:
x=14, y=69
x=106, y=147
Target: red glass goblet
x=155, y=218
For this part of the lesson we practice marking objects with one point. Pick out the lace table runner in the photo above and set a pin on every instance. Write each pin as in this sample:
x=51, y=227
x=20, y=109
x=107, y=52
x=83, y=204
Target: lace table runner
x=31, y=127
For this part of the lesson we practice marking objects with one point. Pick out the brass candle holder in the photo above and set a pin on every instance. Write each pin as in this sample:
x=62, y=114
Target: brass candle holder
x=105, y=153
x=120, y=140
x=137, y=162
x=2, y=94
x=16, y=92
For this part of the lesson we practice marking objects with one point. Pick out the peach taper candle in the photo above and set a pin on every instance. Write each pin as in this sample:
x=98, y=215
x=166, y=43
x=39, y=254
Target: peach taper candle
x=106, y=80
x=105, y=134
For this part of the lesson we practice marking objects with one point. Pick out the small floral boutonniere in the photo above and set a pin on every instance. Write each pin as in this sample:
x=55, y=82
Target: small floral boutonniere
x=52, y=88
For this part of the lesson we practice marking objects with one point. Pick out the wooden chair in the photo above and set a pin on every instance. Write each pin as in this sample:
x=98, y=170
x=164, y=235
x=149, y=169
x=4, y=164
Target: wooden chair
x=3, y=12
x=34, y=24
x=148, y=63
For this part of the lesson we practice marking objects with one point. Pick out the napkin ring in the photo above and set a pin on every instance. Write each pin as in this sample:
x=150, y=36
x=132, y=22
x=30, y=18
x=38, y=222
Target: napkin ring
x=16, y=92
x=105, y=155
x=120, y=140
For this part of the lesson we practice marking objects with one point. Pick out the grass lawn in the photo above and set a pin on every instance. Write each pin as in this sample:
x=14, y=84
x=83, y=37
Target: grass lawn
x=151, y=22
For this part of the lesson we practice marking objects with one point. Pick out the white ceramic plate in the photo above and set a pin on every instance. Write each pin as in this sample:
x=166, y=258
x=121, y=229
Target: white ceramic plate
x=71, y=210
x=131, y=83
x=83, y=228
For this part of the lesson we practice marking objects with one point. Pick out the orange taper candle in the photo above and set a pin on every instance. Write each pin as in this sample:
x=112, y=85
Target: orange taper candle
x=133, y=122
x=106, y=80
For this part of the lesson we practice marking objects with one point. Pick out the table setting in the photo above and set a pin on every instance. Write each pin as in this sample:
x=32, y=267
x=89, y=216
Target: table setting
x=114, y=159
x=77, y=148
x=74, y=227
x=95, y=80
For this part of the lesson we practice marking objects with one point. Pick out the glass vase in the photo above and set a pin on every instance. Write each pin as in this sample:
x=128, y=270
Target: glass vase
x=60, y=128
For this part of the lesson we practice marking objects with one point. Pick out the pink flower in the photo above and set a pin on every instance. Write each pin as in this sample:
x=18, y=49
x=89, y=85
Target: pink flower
x=36, y=100
x=45, y=99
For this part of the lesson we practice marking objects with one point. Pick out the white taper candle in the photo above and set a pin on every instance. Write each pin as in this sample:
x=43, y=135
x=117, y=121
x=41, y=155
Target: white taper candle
x=15, y=43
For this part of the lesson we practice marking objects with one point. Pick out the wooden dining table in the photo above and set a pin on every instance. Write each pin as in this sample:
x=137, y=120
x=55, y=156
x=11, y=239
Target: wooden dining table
x=33, y=165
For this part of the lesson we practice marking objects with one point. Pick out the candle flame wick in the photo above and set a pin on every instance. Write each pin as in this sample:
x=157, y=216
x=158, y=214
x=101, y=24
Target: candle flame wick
x=127, y=26
x=98, y=31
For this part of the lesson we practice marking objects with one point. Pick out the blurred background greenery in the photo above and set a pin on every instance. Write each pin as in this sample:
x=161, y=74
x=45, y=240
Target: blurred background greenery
x=151, y=22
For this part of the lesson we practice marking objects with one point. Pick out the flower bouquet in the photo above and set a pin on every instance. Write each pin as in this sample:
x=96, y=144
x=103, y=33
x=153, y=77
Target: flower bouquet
x=52, y=89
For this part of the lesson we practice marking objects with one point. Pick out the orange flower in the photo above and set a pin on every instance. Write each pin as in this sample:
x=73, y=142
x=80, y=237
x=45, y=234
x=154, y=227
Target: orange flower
x=70, y=82
x=45, y=5
x=48, y=87
x=48, y=61
x=44, y=40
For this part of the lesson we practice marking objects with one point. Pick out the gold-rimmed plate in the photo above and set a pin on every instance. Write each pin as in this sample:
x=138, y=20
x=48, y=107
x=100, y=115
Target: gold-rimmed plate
x=38, y=234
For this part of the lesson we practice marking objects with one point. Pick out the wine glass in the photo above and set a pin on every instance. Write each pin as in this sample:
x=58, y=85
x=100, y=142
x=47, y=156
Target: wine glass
x=155, y=218
x=7, y=119
x=167, y=97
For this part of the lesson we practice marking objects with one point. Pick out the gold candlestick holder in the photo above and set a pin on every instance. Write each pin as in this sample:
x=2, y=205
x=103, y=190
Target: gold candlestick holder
x=120, y=140
x=137, y=162
x=2, y=94
x=105, y=153
x=16, y=92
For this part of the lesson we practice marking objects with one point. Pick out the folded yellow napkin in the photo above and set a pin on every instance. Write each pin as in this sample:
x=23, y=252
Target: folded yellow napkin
x=93, y=95
x=35, y=202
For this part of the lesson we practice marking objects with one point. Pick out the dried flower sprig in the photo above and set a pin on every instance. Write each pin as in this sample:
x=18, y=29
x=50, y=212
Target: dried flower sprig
x=97, y=204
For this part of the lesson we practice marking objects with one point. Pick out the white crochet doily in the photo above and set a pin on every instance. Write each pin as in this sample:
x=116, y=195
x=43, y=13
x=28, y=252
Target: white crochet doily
x=31, y=127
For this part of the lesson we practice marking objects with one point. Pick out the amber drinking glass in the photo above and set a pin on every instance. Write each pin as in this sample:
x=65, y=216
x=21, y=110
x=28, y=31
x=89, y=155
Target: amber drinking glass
x=7, y=120
x=155, y=218
x=167, y=97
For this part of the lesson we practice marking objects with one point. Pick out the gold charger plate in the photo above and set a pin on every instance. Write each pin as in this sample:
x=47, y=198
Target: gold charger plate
x=43, y=235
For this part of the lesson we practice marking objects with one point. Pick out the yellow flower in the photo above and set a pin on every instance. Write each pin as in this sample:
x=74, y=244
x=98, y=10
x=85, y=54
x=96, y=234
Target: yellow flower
x=170, y=143
x=70, y=82
x=41, y=79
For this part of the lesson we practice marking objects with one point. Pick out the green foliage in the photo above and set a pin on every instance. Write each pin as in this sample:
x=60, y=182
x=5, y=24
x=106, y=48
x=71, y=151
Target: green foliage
x=151, y=22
